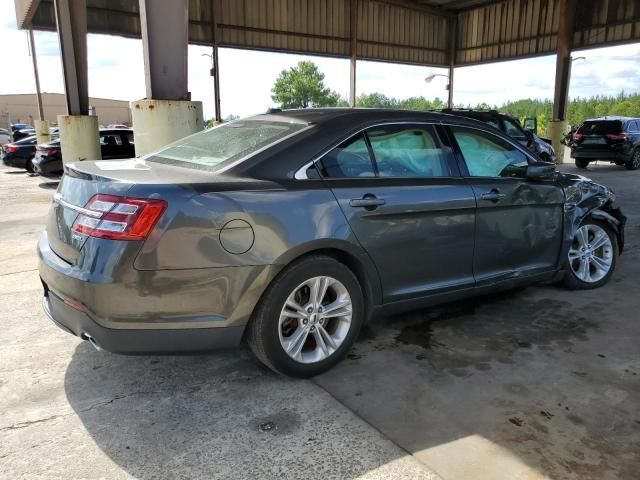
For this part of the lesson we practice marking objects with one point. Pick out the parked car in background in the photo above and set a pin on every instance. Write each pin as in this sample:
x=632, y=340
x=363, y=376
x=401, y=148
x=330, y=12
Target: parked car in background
x=20, y=154
x=23, y=133
x=114, y=143
x=511, y=126
x=291, y=229
x=612, y=139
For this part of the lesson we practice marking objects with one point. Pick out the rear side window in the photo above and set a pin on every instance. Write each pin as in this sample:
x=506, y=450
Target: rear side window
x=487, y=155
x=349, y=160
x=407, y=152
x=601, y=127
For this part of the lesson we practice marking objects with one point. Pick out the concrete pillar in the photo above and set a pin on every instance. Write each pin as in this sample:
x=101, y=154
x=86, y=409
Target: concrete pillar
x=556, y=131
x=353, y=7
x=79, y=138
x=42, y=131
x=157, y=123
x=453, y=36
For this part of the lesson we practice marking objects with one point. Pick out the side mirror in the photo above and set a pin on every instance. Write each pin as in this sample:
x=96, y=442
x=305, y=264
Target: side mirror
x=541, y=171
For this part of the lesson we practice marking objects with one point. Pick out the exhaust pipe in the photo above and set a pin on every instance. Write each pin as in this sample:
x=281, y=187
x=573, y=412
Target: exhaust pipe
x=89, y=338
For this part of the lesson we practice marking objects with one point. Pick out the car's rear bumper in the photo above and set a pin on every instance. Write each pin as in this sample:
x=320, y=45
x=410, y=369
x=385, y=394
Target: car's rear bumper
x=137, y=341
x=47, y=167
x=129, y=311
x=605, y=155
x=13, y=161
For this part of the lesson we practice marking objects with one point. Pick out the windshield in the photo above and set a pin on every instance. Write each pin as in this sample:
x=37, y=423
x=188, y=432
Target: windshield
x=601, y=127
x=224, y=144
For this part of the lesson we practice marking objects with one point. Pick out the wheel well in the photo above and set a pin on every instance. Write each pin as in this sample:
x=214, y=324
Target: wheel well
x=353, y=264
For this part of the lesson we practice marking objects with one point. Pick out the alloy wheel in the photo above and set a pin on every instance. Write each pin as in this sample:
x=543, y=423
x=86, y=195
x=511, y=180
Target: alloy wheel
x=591, y=253
x=315, y=319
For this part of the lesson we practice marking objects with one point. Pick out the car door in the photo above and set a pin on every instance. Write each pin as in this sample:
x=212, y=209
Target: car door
x=401, y=192
x=519, y=222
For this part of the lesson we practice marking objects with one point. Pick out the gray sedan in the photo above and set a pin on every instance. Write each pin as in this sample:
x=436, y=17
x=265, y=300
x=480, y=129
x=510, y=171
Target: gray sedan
x=291, y=229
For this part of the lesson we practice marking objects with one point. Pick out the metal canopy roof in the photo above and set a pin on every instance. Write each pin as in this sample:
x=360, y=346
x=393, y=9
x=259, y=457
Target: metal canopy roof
x=404, y=31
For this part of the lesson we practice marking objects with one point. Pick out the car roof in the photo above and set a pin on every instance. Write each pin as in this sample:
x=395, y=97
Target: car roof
x=350, y=116
x=611, y=118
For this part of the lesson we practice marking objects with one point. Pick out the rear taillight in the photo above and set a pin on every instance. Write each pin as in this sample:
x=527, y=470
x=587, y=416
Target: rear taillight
x=577, y=137
x=119, y=218
x=618, y=136
x=50, y=151
x=10, y=148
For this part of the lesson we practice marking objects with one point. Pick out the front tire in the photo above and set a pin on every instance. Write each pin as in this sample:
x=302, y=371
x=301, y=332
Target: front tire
x=581, y=163
x=592, y=256
x=634, y=162
x=308, y=318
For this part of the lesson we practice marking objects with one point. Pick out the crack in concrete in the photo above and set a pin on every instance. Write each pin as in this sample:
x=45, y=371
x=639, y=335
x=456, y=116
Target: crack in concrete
x=15, y=273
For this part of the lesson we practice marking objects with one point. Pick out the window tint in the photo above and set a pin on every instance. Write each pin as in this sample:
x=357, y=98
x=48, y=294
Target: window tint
x=489, y=156
x=634, y=127
x=349, y=160
x=513, y=130
x=407, y=152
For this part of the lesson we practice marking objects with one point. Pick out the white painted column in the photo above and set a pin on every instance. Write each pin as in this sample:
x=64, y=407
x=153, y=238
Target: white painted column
x=79, y=138
x=42, y=131
x=157, y=123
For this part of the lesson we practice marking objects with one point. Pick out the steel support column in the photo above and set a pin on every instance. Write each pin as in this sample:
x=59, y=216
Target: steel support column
x=36, y=75
x=353, y=9
x=453, y=35
x=558, y=125
x=164, y=25
x=71, y=22
x=563, y=62
x=215, y=68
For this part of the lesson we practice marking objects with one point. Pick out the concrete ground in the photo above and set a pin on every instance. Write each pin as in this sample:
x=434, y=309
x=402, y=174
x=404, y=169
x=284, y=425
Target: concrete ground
x=532, y=384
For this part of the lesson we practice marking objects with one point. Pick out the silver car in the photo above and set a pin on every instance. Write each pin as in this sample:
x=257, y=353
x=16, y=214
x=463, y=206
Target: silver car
x=291, y=229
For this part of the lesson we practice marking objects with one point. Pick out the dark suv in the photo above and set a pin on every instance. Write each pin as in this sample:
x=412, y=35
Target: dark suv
x=612, y=139
x=511, y=126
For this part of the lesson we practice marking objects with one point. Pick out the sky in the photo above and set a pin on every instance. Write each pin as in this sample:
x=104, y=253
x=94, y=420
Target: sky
x=246, y=77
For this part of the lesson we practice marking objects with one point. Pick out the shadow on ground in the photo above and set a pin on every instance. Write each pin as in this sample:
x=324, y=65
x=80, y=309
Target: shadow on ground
x=49, y=185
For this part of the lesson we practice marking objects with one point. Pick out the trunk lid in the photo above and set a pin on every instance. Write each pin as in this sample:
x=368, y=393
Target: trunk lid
x=133, y=177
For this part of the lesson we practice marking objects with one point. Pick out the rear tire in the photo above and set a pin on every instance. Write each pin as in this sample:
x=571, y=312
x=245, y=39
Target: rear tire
x=289, y=332
x=634, y=162
x=592, y=256
x=29, y=166
x=581, y=163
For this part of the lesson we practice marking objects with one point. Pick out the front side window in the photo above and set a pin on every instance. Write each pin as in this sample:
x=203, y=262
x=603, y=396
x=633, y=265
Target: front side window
x=487, y=155
x=407, y=152
x=348, y=160
x=219, y=146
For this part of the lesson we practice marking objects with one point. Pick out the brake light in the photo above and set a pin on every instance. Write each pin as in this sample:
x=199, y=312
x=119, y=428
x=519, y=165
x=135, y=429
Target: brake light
x=618, y=136
x=578, y=137
x=50, y=151
x=10, y=148
x=119, y=218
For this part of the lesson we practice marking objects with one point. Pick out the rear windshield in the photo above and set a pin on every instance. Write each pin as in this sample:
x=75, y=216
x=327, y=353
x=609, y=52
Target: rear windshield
x=605, y=127
x=224, y=144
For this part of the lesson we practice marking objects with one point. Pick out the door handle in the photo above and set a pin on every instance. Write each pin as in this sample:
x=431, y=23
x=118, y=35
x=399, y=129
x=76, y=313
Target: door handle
x=493, y=196
x=369, y=201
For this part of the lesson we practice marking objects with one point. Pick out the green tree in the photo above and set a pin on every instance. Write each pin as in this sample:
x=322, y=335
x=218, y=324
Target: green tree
x=303, y=86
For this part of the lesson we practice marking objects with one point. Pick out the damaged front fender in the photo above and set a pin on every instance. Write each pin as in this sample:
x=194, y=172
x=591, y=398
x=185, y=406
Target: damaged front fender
x=586, y=199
